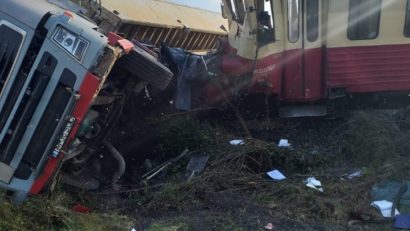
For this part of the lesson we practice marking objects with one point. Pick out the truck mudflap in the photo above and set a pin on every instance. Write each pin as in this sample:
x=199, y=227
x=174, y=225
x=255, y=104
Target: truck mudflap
x=88, y=90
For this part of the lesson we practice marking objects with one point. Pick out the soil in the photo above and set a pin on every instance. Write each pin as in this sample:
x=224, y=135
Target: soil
x=226, y=202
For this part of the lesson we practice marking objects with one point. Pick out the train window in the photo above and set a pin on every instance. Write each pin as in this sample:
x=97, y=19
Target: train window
x=232, y=7
x=240, y=8
x=293, y=20
x=266, y=32
x=407, y=22
x=364, y=19
x=312, y=20
x=268, y=8
x=237, y=9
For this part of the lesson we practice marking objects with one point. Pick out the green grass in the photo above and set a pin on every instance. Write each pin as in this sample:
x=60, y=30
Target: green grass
x=42, y=213
x=180, y=133
x=176, y=224
x=370, y=138
x=368, y=141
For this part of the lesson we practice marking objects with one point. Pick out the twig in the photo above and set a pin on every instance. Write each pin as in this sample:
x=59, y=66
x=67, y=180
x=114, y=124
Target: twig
x=131, y=190
x=155, y=171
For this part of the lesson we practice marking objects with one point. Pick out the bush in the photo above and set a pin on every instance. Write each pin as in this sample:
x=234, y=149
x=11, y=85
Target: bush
x=370, y=138
x=178, y=134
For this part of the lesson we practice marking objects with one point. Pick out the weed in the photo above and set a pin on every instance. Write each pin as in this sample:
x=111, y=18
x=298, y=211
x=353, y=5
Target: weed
x=178, y=134
x=370, y=139
x=54, y=213
x=172, y=196
x=177, y=224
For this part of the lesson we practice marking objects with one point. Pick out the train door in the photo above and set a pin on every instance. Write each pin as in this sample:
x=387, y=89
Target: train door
x=303, y=51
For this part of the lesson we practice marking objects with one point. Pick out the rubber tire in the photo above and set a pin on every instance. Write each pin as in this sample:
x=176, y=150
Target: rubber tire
x=147, y=68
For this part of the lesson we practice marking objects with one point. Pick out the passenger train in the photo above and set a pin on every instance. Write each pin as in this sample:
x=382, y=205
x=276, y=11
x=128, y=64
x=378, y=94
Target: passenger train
x=309, y=55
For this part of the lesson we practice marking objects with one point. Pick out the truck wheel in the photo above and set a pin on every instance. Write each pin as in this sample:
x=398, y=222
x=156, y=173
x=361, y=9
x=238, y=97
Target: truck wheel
x=147, y=68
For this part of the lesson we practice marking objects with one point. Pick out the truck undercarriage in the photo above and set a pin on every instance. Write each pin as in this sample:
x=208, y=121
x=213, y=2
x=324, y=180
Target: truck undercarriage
x=83, y=167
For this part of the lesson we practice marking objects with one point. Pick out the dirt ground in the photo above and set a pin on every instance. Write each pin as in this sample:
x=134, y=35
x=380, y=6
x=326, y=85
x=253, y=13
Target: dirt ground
x=234, y=193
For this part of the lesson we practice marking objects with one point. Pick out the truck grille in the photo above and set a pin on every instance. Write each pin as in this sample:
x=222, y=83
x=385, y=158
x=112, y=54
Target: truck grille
x=10, y=42
x=47, y=126
x=27, y=108
x=21, y=77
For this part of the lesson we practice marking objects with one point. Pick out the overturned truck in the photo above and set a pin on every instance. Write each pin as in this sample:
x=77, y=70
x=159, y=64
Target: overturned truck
x=64, y=81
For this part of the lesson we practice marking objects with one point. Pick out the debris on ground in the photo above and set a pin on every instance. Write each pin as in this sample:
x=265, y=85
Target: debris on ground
x=269, y=226
x=160, y=168
x=312, y=182
x=237, y=179
x=355, y=174
x=352, y=175
x=237, y=142
x=276, y=175
x=196, y=164
x=79, y=208
x=284, y=143
x=393, y=191
x=402, y=222
x=385, y=208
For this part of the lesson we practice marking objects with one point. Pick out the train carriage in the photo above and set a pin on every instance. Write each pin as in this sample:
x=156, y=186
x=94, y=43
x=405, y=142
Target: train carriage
x=307, y=53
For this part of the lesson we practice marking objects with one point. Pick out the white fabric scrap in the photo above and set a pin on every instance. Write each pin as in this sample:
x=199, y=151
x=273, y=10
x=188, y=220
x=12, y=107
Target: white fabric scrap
x=385, y=207
x=276, y=175
x=284, y=143
x=312, y=182
x=236, y=142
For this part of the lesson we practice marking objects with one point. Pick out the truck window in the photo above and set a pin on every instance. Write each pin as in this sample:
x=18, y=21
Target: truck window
x=407, y=20
x=312, y=20
x=364, y=19
x=293, y=20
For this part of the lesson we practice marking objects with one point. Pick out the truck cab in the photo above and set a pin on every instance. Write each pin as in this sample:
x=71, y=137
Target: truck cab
x=53, y=65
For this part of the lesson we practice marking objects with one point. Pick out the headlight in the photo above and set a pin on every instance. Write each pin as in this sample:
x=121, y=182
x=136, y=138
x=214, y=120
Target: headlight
x=72, y=43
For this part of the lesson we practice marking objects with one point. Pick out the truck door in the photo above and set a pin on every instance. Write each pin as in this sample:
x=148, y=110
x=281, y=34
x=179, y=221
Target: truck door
x=303, y=51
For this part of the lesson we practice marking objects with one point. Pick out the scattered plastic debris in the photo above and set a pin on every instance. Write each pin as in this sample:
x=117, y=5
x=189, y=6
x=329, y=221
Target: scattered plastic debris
x=284, y=143
x=236, y=142
x=196, y=164
x=402, y=222
x=385, y=207
x=79, y=208
x=312, y=182
x=155, y=171
x=352, y=175
x=269, y=226
x=276, y=175
x=315, y=152
x=355, y=174
x=393, y=191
